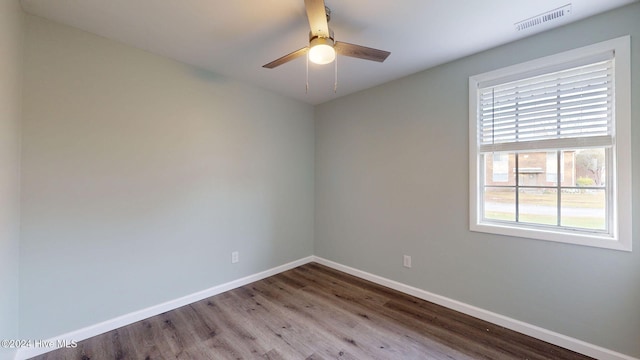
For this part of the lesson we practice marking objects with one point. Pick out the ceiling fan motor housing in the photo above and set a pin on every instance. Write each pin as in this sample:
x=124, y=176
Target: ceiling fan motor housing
x=330, y=39
x=320, y=41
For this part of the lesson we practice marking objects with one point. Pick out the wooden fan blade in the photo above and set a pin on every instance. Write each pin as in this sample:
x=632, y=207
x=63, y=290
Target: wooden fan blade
x=285, y=59
x=361, y=52
x=317, y=18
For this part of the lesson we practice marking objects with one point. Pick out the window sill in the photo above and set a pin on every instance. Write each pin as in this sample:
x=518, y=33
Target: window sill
x=578, y=238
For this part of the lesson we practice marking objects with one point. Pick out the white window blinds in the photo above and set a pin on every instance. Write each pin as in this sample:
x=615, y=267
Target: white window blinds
x=570, y=106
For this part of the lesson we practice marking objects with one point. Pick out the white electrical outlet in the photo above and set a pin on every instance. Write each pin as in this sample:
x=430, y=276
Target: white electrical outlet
x=235, y=257
x=406, y=261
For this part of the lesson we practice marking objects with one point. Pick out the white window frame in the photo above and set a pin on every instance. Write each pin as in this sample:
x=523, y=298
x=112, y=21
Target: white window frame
x=620, y=233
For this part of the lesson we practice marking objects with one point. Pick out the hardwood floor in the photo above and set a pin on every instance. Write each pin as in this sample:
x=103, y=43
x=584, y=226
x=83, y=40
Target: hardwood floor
x=312, y=312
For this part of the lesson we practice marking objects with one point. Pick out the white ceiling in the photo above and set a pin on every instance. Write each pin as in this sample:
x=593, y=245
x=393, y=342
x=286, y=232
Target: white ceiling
x=235, y=38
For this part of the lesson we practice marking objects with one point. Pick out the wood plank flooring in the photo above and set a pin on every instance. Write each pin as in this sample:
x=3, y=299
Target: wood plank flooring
x=312, y=312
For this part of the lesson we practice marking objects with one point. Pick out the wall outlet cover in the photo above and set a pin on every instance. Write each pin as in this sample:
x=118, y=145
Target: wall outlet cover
x=406, y=261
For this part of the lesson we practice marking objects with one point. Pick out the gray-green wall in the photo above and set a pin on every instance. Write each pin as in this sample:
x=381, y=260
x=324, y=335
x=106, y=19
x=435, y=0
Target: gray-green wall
x=11, y=35
x=141, y=175
x=392, y=178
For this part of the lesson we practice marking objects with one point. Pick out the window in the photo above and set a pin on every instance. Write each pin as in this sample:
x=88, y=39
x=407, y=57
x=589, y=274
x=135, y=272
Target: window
x=550, y=148
x=500, y=167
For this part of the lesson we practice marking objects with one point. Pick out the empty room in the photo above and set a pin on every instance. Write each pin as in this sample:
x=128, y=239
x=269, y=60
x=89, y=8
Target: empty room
x=309, y=179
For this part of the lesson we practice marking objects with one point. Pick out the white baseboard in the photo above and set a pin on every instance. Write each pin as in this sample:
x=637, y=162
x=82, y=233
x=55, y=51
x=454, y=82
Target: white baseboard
x=537, y=332
x=516, y=325
x=120, y=321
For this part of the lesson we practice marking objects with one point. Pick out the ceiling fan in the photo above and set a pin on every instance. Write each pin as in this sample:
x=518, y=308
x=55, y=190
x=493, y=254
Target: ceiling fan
x=322, y=48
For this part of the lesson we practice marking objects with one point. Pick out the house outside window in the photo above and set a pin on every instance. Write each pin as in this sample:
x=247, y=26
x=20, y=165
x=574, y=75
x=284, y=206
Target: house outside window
x=550, y=148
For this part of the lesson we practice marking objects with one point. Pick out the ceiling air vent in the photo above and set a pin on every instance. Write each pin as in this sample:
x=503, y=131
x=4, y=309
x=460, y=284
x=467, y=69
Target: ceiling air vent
x=544, y=18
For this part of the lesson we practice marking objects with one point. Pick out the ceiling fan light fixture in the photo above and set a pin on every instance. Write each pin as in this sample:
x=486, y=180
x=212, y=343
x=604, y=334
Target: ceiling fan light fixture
x=321, y=51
